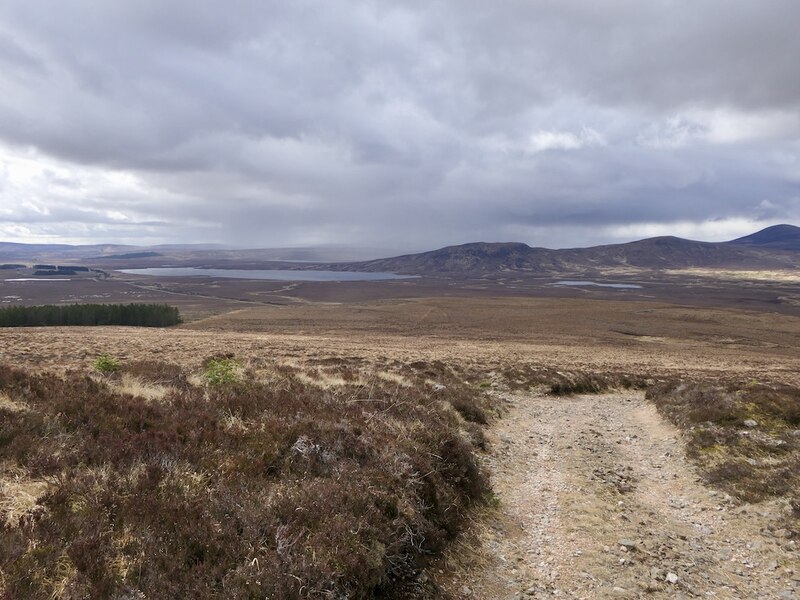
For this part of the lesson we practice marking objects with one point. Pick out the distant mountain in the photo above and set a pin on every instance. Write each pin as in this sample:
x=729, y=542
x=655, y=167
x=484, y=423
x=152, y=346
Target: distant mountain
x=477, y=259
x=35, y=252
x=168, y=247
x=775, y=247
x=112, y=255
x=664, y=253
x=777, y=237
x=129, y=255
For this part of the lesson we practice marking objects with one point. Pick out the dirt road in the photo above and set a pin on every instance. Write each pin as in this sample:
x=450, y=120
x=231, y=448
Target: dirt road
x=596, y=500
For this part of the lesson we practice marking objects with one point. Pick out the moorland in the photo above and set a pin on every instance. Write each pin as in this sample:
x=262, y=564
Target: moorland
x=478, y=431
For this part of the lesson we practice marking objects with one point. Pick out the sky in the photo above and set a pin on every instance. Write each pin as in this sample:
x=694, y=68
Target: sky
x=407, y=124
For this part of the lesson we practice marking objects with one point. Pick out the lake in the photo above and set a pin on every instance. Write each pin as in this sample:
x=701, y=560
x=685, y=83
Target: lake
x=620, y=286
x=37, y=279
x=275, y=275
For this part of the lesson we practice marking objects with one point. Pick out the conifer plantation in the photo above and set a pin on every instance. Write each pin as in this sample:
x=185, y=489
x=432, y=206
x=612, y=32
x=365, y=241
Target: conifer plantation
x=137, y=315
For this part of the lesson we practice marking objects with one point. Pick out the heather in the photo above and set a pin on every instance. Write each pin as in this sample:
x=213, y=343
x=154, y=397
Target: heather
x=267, y=484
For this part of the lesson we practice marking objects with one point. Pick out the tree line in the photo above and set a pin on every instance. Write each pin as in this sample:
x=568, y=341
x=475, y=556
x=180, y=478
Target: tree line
x=139, y=315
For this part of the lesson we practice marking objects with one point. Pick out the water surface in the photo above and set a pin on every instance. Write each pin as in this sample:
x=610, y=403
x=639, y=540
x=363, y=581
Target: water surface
x=620, y=286
x=37, y=279
x=275, y=275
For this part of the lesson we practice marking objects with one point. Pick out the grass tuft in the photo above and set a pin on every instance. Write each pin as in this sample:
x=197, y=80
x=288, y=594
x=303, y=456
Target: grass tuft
x=106, y=364
x=221, y=371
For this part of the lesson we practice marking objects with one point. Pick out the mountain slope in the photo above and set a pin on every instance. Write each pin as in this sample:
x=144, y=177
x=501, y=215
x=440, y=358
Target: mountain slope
x=664, y=252
x=477, y=257
x=777, y=237
x=654, y=253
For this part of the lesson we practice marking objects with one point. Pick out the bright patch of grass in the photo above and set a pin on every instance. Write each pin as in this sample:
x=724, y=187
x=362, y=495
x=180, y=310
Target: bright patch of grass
x=221, y=371
x=106, y=363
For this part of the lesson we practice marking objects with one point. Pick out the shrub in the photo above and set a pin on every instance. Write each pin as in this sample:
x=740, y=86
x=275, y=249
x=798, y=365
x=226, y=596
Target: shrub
x=156, y=372
x=468, y=406
x=242, y=491
x=105, y=363
x=751, y=463
x=221, y=371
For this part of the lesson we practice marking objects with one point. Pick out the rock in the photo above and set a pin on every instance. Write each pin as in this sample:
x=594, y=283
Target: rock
x=796, y=433
x=752, y=461
x=627, y=545
x=465, y=591
x=672, y=578
x=750, y=423
x=532, y=591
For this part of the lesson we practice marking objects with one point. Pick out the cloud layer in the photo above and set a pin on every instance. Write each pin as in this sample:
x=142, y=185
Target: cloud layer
x=406, y=125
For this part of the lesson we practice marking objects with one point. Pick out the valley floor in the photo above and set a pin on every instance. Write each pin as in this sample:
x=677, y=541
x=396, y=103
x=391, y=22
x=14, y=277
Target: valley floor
x=596, y=500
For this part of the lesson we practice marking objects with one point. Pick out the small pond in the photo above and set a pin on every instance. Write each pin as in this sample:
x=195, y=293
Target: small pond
x=619, y=286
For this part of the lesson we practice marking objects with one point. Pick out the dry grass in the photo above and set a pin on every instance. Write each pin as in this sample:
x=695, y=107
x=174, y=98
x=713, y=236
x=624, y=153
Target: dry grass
x=18, y=496
x=321, y=379
x=480, y=335
x=768, y=275
x=394, y=378
x=130, y=384
x=7, y=404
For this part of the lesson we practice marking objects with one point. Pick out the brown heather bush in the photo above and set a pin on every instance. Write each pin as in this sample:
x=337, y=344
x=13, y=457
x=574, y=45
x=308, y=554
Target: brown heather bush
x=156, y=372
x=751, y=463
x=249, y=490
x=567, y=383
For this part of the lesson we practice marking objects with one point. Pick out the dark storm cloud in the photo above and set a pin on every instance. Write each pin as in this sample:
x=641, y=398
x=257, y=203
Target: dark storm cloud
x=406, y=124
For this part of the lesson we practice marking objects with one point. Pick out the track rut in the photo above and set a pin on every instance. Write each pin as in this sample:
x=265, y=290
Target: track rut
x=597, y=500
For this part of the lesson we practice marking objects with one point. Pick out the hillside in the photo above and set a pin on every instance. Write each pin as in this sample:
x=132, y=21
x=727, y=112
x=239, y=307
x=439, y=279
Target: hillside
x=653, y=253
x=345, y=460
x=670, y=252
x=777, y=237
x=478, y=257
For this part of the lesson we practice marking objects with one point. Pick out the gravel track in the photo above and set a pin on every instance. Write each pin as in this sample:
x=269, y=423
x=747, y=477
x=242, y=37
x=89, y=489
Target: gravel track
x=596, y=500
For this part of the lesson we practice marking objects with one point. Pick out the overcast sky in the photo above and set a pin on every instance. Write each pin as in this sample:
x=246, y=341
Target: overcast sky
x=405, y=125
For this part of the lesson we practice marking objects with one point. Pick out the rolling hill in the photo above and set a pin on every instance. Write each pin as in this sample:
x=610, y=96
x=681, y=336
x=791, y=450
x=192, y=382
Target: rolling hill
x=773, y=248
x=777, y=237
x=776, y=247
